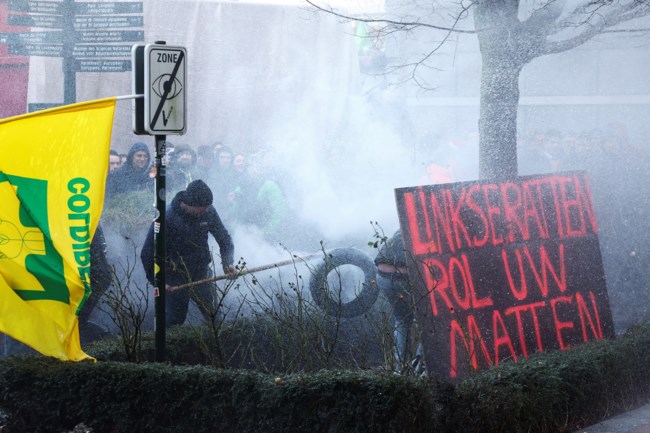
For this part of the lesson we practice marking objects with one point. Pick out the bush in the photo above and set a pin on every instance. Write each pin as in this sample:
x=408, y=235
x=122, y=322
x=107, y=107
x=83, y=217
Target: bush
x=44, y=395
x=549, y=392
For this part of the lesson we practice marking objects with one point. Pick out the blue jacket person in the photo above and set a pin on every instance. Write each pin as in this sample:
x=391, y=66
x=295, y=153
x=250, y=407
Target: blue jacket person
x=189, y=219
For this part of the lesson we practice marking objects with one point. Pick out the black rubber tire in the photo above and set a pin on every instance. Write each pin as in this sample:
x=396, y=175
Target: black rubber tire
x=319, y=288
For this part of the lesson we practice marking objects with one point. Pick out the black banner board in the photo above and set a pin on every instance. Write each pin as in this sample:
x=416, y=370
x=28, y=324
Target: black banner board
x=503, y=269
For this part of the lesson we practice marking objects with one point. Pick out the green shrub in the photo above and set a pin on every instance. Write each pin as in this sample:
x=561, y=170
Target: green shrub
x=547, y=393
x=44, y=395
x=129, y=213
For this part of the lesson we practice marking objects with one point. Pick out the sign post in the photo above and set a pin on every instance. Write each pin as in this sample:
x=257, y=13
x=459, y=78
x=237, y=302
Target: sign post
x=165, y=68
x=160, y=274
x=159, y=73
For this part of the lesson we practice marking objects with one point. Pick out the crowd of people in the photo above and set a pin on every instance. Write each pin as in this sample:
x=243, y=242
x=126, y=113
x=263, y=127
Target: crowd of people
x=243, y=193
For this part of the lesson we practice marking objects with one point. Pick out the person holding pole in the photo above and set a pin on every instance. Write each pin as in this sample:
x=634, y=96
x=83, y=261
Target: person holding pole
x=189, y=219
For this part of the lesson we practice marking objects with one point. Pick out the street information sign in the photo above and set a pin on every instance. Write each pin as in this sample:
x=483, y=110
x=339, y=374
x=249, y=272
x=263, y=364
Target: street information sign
x=36, y=6
x=42, y=50
x=165, y=70
x=94, y=36
x=42, y=21
x=108, y=21
x=31, y=38
x=90, y=36
x=102, y=51
x=112, y=65
x=103, y=8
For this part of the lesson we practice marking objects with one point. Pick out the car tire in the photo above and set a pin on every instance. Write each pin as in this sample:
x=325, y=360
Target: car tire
x=321, y=294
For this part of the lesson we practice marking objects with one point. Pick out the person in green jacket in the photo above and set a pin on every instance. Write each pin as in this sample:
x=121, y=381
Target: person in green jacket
x=258, y=200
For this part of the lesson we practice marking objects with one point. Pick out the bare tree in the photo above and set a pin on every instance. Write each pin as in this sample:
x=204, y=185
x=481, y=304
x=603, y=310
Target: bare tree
x=511, y=33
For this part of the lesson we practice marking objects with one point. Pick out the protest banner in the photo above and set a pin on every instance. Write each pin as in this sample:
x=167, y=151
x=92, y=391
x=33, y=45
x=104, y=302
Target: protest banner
x=503, y=269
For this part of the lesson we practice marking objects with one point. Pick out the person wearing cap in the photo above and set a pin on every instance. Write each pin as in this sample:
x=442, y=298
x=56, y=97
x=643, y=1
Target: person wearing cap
x=189, y=218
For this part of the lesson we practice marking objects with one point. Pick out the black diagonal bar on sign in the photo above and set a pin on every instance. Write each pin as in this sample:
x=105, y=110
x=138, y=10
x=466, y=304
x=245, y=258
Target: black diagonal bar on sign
x=167, y=90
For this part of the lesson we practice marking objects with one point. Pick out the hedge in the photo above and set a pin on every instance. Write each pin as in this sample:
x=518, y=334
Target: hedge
x=549, y=392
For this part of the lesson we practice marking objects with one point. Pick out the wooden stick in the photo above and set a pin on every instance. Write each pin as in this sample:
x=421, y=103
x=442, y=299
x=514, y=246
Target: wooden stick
x=244, y=271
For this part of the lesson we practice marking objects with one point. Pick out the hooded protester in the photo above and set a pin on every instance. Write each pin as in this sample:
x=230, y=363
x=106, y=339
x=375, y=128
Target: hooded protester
x=133, y=175
x=181, y=168
x=189, y=218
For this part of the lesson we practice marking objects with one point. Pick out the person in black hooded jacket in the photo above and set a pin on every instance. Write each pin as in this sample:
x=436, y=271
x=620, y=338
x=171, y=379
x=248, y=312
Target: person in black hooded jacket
x=189, y=218
x=133, y=175
x=101, y=277
x=393, y=281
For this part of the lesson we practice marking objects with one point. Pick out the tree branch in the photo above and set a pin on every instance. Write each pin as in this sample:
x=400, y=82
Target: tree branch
x=605, y=19
x=545, y=16
x=401, y=24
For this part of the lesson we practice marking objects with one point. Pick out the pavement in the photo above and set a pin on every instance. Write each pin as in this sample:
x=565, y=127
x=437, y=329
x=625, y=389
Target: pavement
x=634, y=421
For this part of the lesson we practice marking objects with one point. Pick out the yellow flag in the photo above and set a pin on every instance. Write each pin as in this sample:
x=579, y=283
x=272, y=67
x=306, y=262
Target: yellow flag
x=53, y=167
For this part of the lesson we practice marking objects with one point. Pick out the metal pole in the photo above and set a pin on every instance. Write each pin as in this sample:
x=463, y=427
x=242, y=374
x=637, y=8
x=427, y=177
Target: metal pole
x=69, y=61
x=160, y=278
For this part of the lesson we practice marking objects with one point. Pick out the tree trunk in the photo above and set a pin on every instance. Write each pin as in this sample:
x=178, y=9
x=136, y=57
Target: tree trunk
x=498, y=119
x=501, y=41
